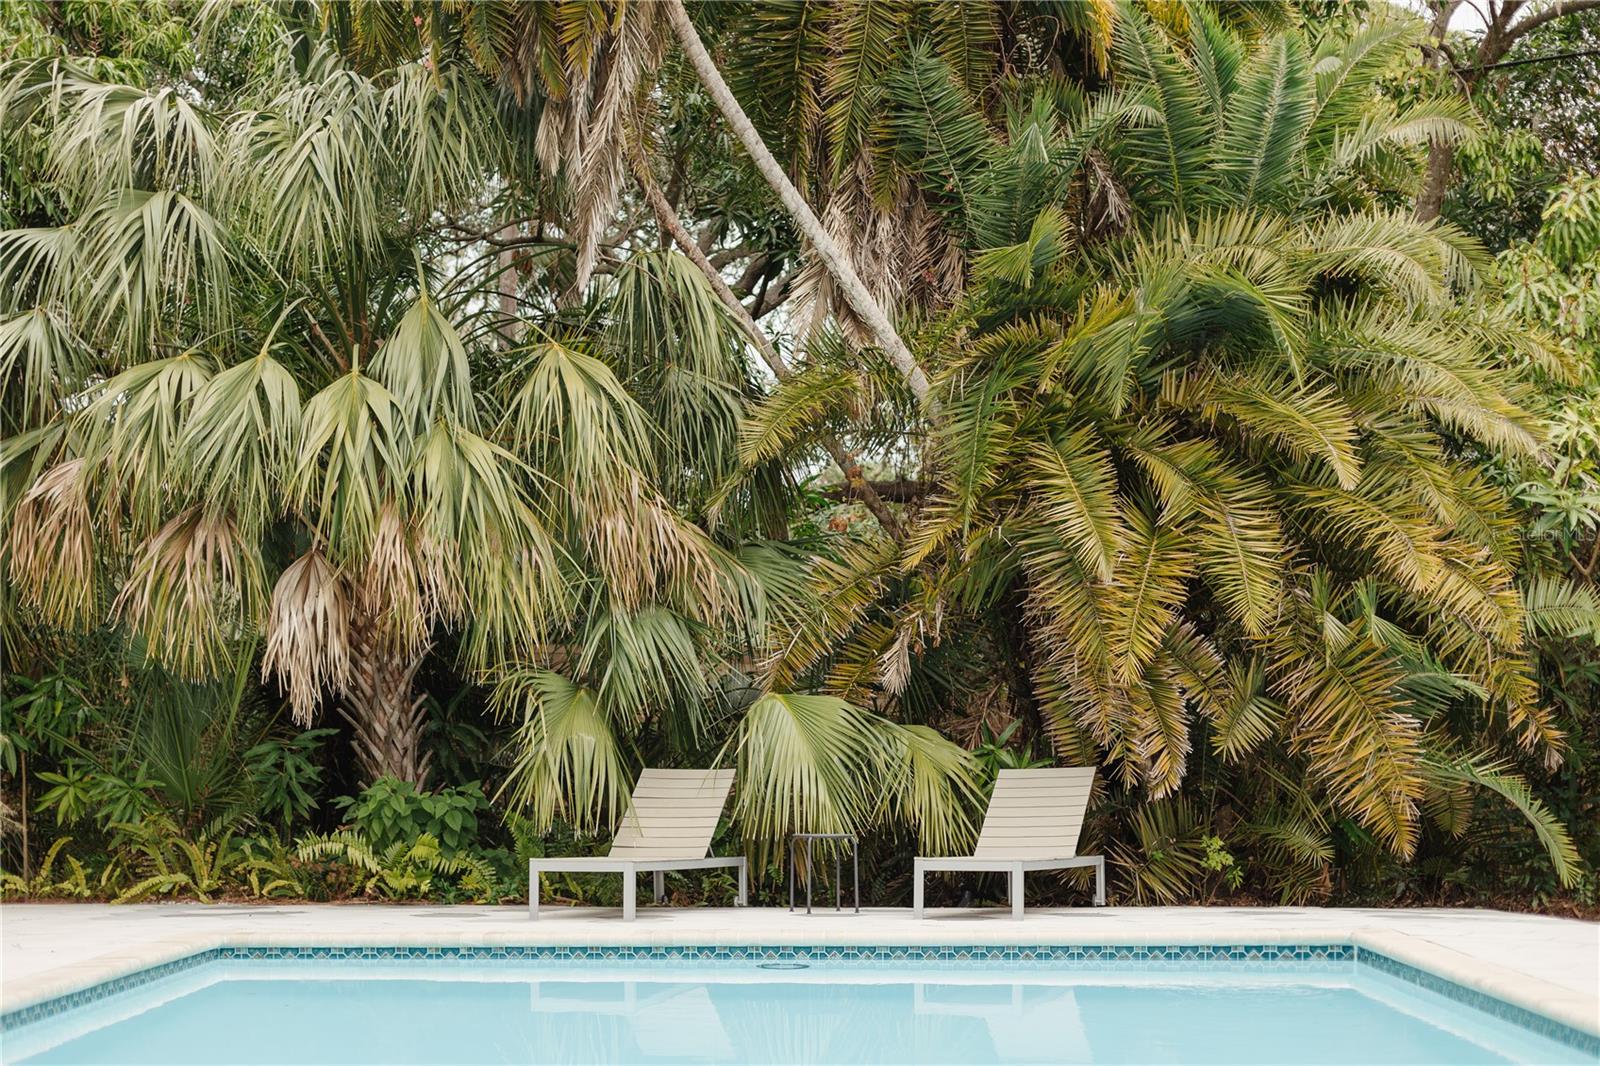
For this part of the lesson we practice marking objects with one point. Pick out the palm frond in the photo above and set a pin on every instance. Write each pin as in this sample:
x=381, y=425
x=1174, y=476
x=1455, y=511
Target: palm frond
x=194, y=589
x=1169, y=157
x=242, y=436
x=1074, y=490
x=1362, y=743
x=568, y=763
x=1496, y=776
x=805, y=765
x=932, y=786
x=1265, y=124
x=354, y=452
x=51, y=544
x=308, y=633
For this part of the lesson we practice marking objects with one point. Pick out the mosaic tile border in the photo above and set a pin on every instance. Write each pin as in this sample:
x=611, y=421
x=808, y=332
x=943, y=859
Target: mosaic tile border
x=105, y=989
x=1271, y=953
x=1277, y=954
x=1587, y=1043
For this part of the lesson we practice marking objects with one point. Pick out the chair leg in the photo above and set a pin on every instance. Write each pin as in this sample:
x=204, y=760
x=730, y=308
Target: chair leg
x=630, y=893
x=1016, y=892
x=1100, y=882
x=660, y=885
x=917, y=876
x=533, y=893
x=744, y=884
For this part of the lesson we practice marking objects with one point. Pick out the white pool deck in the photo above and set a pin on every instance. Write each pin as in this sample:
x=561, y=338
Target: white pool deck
x=1548, y=965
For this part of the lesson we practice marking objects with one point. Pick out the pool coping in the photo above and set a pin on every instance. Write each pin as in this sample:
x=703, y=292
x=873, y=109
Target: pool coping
x=1412, y=958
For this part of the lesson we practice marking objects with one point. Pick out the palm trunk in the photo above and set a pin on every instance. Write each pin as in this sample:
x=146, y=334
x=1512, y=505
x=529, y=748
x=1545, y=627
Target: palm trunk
x=380, y=707
x=672, y=226
x=822, y=243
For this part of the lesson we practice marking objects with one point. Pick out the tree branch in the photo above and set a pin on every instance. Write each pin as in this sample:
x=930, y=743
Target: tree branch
x=826, y=248
x=773, y=296
x=1548, y=14
x=899, y=490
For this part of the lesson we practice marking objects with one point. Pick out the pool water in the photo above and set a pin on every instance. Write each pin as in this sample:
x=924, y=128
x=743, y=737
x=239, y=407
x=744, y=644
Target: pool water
x=522, y=1011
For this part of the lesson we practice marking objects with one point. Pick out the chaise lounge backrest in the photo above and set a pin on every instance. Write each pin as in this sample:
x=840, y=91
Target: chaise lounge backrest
x=673, y=814
x=1035, y=814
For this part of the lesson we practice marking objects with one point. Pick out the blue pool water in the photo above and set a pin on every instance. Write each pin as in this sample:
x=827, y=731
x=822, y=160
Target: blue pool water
x=516, y=1011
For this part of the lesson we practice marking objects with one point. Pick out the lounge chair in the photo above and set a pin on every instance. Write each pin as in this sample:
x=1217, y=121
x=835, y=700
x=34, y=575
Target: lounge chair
x=1032, y=823
x=668, y=827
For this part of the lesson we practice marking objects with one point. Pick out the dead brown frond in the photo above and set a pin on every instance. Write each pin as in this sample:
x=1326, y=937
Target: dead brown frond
x=194, y=589
x=52, y=546
x=308, y=633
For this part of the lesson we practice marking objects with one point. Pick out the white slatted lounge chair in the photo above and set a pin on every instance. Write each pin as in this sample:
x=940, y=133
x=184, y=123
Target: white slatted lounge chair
x=668, y=826
x=1032, y=823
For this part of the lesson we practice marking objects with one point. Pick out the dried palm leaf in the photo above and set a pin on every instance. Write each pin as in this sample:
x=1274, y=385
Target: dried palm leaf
x=52, y=546
x=308, y=633
x=194, y=589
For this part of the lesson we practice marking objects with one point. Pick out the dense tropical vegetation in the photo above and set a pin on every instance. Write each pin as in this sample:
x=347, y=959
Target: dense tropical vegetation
x=418, y=417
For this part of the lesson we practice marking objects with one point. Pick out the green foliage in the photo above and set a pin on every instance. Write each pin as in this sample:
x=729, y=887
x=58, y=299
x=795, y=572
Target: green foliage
x=996, y=752
x=344, y=366
x=1168, y=853
x=163, y=860
x=1218, y=859
x=405, y=869
x=45, y=884
x=285, y=775
x=389, y=813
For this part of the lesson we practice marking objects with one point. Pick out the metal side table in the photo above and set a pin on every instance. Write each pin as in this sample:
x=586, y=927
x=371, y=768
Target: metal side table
x=838, y=891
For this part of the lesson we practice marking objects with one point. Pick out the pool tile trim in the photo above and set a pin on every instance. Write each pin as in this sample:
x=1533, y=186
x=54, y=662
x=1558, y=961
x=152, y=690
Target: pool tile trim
x=1587, y=1043
x=1273, y=955
x=1267, y=953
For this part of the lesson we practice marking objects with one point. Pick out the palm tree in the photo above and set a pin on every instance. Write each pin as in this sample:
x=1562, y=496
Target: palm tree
x=277, y=395
x=241, y=363
x=1218, y=456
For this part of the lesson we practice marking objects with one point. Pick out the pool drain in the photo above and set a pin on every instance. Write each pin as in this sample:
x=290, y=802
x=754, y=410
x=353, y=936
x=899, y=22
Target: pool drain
x=783, y=966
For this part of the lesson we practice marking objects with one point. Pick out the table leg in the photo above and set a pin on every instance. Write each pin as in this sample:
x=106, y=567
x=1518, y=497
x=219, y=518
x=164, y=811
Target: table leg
x=855, y=861
x=809, y=878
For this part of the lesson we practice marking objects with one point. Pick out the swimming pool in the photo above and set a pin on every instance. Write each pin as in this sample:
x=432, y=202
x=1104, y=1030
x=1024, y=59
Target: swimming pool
x=1278, y=1004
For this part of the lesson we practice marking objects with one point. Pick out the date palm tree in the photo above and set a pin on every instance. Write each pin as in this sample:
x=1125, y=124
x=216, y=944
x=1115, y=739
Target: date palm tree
x=1216, y=463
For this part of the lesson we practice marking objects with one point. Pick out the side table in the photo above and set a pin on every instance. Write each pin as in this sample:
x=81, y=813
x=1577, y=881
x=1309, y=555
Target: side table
x=855, y=862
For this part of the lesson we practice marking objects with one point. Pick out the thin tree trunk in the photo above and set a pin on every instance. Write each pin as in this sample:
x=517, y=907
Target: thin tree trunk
x=822, y=243
x=1441, y=155
x=380, y=707
x=1435, y=181
x=672, y=225
x=22, y=817
x=506, y=285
